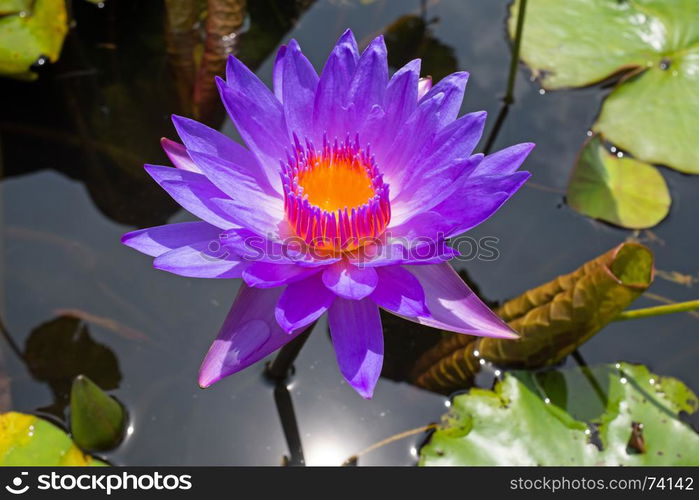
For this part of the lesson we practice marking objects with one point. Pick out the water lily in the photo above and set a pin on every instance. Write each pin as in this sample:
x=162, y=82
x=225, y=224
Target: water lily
x=341, y=201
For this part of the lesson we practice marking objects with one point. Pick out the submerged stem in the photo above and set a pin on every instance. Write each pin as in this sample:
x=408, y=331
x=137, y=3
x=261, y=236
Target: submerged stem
x=281, y=367
x=509, y=96
x=649, y=312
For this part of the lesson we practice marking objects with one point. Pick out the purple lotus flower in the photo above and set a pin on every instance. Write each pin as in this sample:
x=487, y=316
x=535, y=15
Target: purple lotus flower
x=350, y=184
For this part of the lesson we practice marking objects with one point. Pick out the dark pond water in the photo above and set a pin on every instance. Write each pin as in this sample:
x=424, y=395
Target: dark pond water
x=72, y=146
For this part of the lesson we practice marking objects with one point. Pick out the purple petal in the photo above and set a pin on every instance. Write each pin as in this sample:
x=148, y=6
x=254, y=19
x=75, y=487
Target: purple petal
x=472, y=203
x=204, y=259
x=302, y=303
x=368, y=87
x=452, y=145
x=249, y=333
x=201, y=139
x=267, y=275
x=194, y=192
x=484, y=196
x=246, y=203
x=458, y=139
x=333, y=87
x=155, y=241
x=178, y=155
x=257, y=114
x=423, y=86
x=355, y=328
x=417, y=132
x=249, y=246
x=299, y=89
x=262, y=223
x=350, y=282
x=399, y=292
x=422, y=194
x=401, y=94
x=505, y=161
x=278, y=73
x=452, y=87
x=413, y=249
x=453, y=306
x=401, y=100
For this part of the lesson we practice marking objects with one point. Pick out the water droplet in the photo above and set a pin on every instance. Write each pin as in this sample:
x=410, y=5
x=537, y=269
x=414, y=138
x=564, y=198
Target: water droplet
x=613, y=149
x=652, y=381
x=623, y=380
x=476, y=353
x=620, y=154
x=482, y=361
x=100, y=5
x=589, y=133
x=665, y=63
x=22, y=14
x=498, y=373
x=617, y=366
x=547, y=400
x=542, y=91
x=587, y=432
x=447, y=403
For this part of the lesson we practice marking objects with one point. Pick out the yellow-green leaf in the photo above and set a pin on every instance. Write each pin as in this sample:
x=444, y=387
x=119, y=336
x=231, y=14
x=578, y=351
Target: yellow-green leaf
x=26, y=38
x=27, y=440
x=622, y=191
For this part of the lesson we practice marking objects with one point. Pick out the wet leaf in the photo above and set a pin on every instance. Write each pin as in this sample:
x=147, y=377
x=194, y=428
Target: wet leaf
x=25, y=39
x=654, y=112
x=14, y=6
x=97, y=421
x=549, y=418
x=79, y=354
x=26, y=440
x=622, y=191
x=552, y=320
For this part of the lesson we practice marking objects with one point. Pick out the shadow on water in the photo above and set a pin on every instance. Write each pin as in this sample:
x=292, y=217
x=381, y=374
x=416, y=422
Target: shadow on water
x=72, y=147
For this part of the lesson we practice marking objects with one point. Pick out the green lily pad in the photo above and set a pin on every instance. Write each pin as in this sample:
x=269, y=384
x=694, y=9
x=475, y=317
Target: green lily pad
x=554, y=418
x=623, y=191
x=14, y=6
x=27, y=440
x=654, y=112
x=24, y=39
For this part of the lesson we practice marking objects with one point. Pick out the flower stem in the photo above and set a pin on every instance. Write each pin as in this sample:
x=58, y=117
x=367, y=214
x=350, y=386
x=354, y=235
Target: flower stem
x=282, y=366
x=509, y=96
x=649, y=312
x=511, y=77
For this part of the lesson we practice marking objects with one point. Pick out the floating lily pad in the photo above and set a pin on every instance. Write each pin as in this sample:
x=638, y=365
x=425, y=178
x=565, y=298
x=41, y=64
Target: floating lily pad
x=654, y=112
x=14, y=6
x=623, y=191
x=553, y=418
x=25, y=39
x=26, y=440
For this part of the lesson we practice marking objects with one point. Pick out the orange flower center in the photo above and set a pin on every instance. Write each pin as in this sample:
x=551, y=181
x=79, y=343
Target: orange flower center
x=335, y=198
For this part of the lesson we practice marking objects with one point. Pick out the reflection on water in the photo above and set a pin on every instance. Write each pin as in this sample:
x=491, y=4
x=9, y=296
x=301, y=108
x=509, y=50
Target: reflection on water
x=72, y=146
